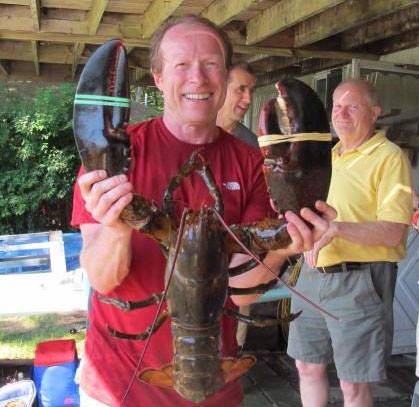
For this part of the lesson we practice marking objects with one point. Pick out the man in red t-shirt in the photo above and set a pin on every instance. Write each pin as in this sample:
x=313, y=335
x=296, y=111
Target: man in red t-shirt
x=190, y=68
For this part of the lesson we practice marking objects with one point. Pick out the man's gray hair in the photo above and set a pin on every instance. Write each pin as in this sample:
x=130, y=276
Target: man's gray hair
x=370, y=91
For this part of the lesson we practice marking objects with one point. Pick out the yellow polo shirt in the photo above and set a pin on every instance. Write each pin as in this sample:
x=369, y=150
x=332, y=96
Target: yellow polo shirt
x=369, y=183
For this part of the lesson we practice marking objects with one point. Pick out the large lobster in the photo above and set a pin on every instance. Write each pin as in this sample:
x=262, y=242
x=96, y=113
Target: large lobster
x=197, y=251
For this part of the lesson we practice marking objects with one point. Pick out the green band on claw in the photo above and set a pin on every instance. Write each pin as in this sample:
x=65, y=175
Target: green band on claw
x=103, y=97
x=100, y=103
x=101, y=100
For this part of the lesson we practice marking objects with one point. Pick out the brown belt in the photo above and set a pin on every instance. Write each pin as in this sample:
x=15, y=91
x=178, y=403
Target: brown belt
x=341, y=268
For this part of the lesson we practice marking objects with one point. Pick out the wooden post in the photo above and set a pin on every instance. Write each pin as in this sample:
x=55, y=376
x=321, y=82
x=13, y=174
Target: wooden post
x=57, y=254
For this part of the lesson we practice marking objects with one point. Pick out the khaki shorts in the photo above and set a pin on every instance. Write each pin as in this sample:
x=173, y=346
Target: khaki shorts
x=361, y=340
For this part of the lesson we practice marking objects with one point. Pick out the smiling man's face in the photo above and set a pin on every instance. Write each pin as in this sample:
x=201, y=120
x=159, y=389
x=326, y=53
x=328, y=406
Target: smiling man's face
x=193, y=75
x=353, y=117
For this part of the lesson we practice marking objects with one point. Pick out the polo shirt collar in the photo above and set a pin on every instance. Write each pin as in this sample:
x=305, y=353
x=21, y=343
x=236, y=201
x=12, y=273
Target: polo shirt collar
x=368, y=146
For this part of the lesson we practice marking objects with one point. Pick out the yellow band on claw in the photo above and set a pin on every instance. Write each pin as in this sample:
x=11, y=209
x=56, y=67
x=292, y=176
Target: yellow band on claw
x=269, y=139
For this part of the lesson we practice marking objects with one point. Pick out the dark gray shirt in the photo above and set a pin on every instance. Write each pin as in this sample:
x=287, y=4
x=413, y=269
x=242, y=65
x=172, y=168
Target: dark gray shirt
x=246, y=135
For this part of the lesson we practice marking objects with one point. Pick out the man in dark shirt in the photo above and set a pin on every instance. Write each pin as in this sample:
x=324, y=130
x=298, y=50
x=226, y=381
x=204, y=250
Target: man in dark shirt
x=240, y=85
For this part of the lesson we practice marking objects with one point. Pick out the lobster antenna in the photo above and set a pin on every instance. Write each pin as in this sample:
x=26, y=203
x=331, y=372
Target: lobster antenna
x=151, y=328
x=254, y=257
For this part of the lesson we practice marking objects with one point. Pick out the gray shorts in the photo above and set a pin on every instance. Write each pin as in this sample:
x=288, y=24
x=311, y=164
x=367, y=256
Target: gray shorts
x=361, y=340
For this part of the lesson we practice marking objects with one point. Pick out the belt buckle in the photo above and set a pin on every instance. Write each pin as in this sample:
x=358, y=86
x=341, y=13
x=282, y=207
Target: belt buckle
x=322, y=270
x=344, y=268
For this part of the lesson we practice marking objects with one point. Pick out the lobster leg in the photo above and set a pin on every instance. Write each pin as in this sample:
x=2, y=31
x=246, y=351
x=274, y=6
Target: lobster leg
x=260, y=321
x=129, y=305
x=243, y=268
x=144, y=335
x=258, y=289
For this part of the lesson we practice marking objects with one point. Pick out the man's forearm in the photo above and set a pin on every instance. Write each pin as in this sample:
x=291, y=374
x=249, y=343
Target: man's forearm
x=371, y=233
x=106, y=255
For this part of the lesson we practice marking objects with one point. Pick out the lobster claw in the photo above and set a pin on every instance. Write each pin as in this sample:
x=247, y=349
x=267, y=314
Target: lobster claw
x=295, y=140
x=101, y=110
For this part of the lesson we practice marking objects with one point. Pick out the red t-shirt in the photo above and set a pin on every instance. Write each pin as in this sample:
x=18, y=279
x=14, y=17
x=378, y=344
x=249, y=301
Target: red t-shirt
x=109, y=363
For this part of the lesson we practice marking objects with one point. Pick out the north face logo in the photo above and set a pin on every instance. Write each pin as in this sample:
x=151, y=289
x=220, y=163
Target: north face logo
x=232, y=186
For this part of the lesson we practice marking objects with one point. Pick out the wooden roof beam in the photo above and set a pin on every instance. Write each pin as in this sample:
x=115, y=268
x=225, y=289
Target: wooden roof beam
x=36, y=14
x=283, y=15
x=406, y=40
x=4, y=69
x=344, y=17
x=35, y=56
x=93, y=19
x=95, y=14
x=69, y=38
x=77, y=53
x=156, y=13
x=135, y=42
x=221, y=12
x=394, y=24
x=303, y=53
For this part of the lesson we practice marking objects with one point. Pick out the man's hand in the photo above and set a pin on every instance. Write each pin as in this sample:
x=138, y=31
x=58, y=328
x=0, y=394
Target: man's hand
x=311, y=256
x=303, y=237
x=105, y=198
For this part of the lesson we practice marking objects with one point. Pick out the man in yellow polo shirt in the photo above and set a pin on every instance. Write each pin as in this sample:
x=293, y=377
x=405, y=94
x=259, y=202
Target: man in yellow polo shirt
x=352, y=270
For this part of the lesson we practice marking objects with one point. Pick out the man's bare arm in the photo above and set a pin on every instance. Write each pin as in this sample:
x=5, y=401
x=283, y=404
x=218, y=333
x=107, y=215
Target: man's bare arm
x=106, y=255
x=106, y=252
x=380, y=233
x=367, y=233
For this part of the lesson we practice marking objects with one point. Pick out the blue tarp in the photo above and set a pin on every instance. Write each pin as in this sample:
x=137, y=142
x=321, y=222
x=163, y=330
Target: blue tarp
x=72, y=247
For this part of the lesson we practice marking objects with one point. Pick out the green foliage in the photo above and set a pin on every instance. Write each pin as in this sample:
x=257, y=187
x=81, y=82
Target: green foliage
x=39, y=159
x=147, y=102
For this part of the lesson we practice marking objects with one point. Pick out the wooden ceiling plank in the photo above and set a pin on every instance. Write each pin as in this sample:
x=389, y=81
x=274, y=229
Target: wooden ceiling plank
x=344, y=17
x=114, y=6
x=394, y=24
x=36, y=14
x=21, y=23
x=51, y=54
x=221, y=12
x=48, y=25
x=283, y=15
x=156, y=13
x=16, y=2
x=35, y=57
